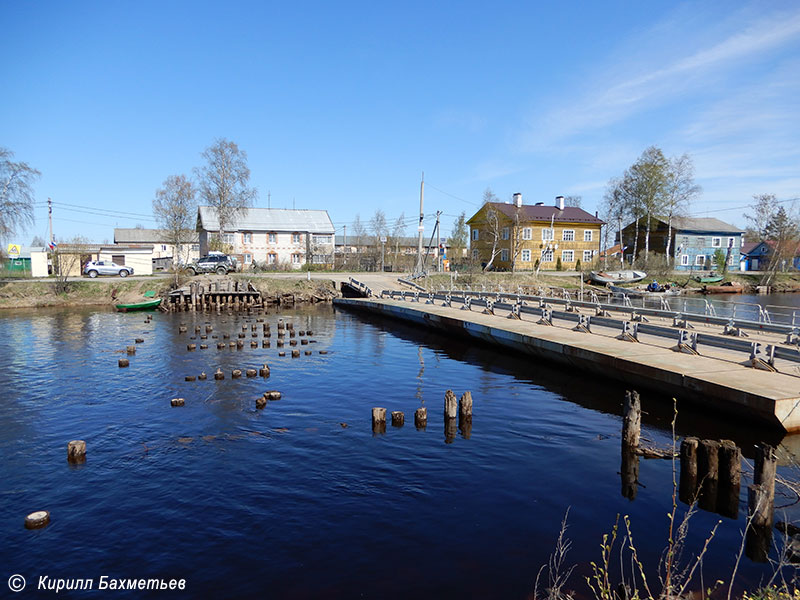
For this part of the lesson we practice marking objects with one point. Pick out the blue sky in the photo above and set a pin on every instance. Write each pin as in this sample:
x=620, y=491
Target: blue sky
x=342, y=106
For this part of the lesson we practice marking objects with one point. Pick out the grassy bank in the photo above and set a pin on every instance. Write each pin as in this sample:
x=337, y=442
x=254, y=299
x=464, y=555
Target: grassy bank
x=35, y=293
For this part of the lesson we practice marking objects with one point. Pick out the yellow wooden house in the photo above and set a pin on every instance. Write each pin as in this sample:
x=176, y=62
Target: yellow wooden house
x=524, y=234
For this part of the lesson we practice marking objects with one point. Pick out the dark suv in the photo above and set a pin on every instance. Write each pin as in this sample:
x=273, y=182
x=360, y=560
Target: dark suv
x=221, y=264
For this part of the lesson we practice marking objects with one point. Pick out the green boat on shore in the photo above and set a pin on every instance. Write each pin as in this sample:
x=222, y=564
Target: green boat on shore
x=713, y=278
x=146, y=305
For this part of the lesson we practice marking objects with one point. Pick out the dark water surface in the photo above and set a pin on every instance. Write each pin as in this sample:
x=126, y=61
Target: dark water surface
x=285, y=502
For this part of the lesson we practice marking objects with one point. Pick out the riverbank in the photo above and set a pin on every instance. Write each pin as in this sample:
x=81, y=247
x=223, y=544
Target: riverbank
x=27, y=293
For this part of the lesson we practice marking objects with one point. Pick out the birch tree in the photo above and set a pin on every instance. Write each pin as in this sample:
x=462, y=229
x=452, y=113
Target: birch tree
x=175, y=209
x=16, y=193
x=681, y=190
x=223, y=182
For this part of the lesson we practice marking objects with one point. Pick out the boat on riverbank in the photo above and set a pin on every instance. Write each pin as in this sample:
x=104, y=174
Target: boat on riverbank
x=731, y=287
x=645, y=293
x=614, y=277
x=712, y=278
x=146, y=305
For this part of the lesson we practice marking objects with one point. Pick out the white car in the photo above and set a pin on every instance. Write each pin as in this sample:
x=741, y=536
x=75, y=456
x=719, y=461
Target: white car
x=94, y=268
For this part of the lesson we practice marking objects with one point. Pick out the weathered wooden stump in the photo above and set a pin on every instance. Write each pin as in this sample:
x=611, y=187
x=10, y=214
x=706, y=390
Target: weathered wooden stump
x=761, y=495
x=272, y=395
x=202, y=376
x=421, y=418
x=378, y=420
x=254, y=344
x=221, y=345
x=218, y=374
x=265, y=343
x=323, y=351
x=240, y=344
x=251, y=372
x=203, y=346
x=231, y=344
x=708, y=474
x=688, y=481
x=138, y=341
x=209, y=329
x=629, y=472
x=309, y=332
x=398, y=418
x=281, y=353
x=308, y=353
x=236, y=373
x=295, y=353
x=304, y=342
x=242, y=336
x=261, y=402
x=131, y=349
x=279, y=343
x=123, y=362
x=191, y=347
x=450, y=405
x=264, y=371
x=730, y=462
x=204, y=337
x=631, y=420
x=37, y=520
x=226, y=336
x=177, y=402
x=465, y=408
x=76, y=451
x=189, y=378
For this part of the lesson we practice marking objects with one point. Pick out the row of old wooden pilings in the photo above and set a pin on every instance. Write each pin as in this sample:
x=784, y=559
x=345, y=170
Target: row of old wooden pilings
x=219, y=296
x=457, y=415
x=710, y=475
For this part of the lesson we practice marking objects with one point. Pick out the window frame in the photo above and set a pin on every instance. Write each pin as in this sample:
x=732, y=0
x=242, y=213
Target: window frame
x=588, y=256
x=716, y=242
x=564, y=257
x=551, y=237
x=700, y=260
x=247, y=237
x=505, y=234
x=476, y=234
x=547, y=255
x=504, y=254
x=564, y=237
x=525, y=252
x=684, y=260
x=590, y=236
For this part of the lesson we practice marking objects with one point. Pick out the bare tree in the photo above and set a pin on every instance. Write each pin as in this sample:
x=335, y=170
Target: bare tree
x=575, y=201
x=359, y=231
x=16, y=193
x=378, y=226
x=782, y=232
x=175, y=209
x=67, y=261
x=681, y=190
x=398, y=231
x=493, y=230
x=223, y=182
x=614, y=210
x=759, y=216
x=459, y=236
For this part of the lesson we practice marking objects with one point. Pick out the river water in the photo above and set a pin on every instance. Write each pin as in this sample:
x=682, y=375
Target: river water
x=301, y=499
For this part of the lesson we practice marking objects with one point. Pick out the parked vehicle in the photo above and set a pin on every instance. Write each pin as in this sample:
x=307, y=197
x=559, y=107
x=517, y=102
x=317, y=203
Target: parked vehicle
x=93, y=268
x=221, y=264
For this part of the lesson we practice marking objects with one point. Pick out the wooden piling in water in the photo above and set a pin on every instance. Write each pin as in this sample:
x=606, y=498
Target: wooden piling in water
x=730, y=462
x=688, y=481
x=398, y=418
x=177, y=402
x=761, y=495
x=123, y=362
x=708, y=473
x=37, y=520
x=131, y=349
x=465, y=408
x=421, y=418
x=631, y=420
x=261, y=402
x=378, y=420
x=76, y=451
x=450, y=405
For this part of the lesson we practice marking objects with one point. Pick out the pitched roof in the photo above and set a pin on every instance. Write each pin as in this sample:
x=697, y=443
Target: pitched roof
x=139, y=235
x=269, y=219
x=706, y=224
x=544, y=213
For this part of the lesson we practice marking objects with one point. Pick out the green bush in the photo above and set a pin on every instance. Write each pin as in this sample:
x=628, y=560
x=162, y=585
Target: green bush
x=559, y=266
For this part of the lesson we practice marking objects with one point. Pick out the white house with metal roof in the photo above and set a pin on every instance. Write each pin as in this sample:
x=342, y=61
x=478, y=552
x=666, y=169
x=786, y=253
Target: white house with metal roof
x=157, y=238
x=272, y=236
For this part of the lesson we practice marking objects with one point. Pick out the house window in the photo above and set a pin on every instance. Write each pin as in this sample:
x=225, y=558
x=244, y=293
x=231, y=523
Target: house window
x=318, y=259
x=272, y=258
x=475, y=253
x=247, y=238
x=505, y=233
x=587, y=255
x=731, y=242
x=684, y=260
x=701, y=241
x=475, y=234
x=548, y=235
x=568, y=235
x=527, y=233
x=568, y=256
x=322, y=239
x=271, y=238
x=195, y=247
x=700, y=260
x=227, y=238
x=716, y=242
x=587, y=235
x=248, y=258
x=547, y=256
x=296, y=259
x=295, y=238
x=526, y=255
x=504, y=254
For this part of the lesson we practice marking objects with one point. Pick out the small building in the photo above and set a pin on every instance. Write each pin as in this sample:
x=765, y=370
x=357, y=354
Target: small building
x=541, y=235
x=164, y=252
x=757, y=256
x=693, y=243
x=69, y=259
x=274, y=237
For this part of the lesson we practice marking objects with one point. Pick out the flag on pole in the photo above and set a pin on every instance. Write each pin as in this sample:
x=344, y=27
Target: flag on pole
x=53, y=245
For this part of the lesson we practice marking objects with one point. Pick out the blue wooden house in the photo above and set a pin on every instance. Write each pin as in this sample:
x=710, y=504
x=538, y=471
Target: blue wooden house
x=693, y=243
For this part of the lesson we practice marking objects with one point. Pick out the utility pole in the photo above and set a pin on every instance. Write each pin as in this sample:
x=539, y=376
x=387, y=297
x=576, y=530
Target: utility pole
x=438, y=235
x=344, y=248
x=50, y=218
x=421, y=227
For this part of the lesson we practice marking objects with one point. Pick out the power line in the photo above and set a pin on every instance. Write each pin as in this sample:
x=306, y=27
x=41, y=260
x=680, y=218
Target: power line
x=451, y=195
x=738, y=207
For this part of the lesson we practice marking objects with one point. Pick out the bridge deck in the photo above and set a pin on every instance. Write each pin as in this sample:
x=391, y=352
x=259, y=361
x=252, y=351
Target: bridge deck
x=719, y=380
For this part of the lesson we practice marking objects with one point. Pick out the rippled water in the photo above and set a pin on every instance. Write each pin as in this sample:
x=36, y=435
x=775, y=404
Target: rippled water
x=288, y=502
